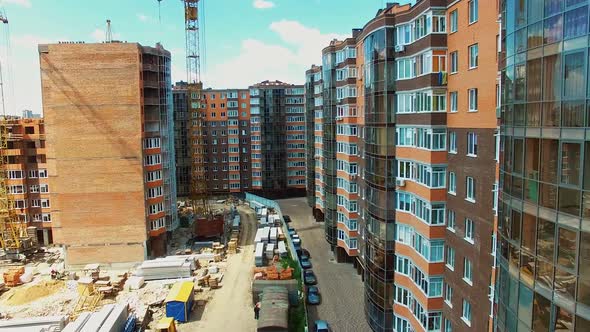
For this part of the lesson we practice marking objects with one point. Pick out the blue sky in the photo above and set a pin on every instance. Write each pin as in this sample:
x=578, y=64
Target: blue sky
x=247, y=40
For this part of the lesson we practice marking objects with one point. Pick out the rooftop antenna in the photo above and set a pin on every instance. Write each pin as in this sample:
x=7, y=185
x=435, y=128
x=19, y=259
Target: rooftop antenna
x=109, y=33
x=160, y=12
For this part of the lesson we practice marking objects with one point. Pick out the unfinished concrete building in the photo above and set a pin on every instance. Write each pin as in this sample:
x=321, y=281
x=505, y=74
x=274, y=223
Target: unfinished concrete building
x=27, y=175
x=110, y=150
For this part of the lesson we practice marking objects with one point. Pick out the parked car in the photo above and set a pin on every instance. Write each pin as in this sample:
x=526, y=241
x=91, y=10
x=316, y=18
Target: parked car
x=304, y=253
x=291, y=231
x=321, y=326
x=313, y=295
x=305, y=262
x=309, y=277
x=286, y=218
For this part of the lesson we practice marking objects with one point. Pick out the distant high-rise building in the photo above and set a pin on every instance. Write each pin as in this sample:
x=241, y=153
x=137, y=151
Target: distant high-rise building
x=182, y=139
x=278, y=138
x=110, y=150
x=28, y=114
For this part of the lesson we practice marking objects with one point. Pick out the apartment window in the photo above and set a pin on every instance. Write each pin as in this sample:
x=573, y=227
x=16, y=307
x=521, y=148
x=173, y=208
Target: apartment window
x=46, y=217
x=45, y=203
x=33, y=174
x=448, y=295
x=472, y=144
x=451, y=221
x=454, y=62
x=151, y=143
x=469, y=230
x=155, y=192
x=35, y=203
x=452, y=142
x=454, y=18
x=44, y=188
x=158, y=223
x=454, y=101
x=34, y=188
x=472, y=100
x=153, y=176
x=452, y=183
x=448, y=326
x=473, y=11
x=16, y=174
x=466, y=312
x=470, y=189
x=153, y=159
x=467, y=272
x=473, y=56
x=450, y=257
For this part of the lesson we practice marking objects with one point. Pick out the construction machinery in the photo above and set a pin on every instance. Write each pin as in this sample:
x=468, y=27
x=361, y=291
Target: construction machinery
x=14, y=240
x=199, y=191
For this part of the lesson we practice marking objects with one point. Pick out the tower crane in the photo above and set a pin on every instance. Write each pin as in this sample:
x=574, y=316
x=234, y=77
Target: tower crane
x=14, y=239
x=199, y=191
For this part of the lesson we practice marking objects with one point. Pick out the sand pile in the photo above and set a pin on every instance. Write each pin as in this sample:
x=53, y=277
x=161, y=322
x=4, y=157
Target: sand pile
x=23, y=295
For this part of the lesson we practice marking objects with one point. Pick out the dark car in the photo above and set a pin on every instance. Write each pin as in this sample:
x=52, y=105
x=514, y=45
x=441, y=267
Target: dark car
x=321, y=326
x=304, y=253
x=286, y=218
x=291, y=231
x=313, y=295
x=309, y=277
x=305, y=262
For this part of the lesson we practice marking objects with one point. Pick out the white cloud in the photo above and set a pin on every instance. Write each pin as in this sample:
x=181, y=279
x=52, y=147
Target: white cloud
x=287, y=61
x=99, y=35
x=263, y=4
x=143, y=17
x=24, y=3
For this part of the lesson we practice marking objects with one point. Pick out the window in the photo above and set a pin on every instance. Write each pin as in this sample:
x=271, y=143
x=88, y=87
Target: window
x=472, y=100
x=452, y=142
x=466, y=312
x=473, y=56
x=450, y=257
x=45, y=203
x=448, y=326
x=448, y=295
x=470, y=189
x=452, y=183
x=454, y=101
x=153, y=176
x=35, y=203
x=152, y=159
x=469, y=230
x=451, y=221
x=471, y=144
x=453, y=17
x=473, y=11
x=454, y=62
x=467, y=272
x=151, y=143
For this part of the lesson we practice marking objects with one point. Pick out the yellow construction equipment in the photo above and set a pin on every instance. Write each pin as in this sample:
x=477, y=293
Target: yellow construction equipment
x=166, y=324
x=14, y=239
x=199, y=191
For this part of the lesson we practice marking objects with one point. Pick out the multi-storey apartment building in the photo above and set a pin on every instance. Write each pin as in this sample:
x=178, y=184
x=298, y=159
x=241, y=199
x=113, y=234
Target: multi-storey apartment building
x=182, y=150
x=278, y=138
x=472, y=159
x=27, y=174
x=228, y=140
x=313, y=118
x=544, y=210
x=339, y=151
x=110, y=150
x=426, y=191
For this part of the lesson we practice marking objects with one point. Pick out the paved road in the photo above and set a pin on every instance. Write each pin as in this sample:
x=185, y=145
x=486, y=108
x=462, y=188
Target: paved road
x=340, y=286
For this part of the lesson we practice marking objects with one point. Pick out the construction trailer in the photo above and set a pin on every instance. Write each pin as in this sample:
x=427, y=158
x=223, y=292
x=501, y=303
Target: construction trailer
x=180, y=301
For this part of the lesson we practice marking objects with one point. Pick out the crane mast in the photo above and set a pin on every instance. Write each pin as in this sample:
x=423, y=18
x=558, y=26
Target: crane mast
x=199, y=192
x=14, y=239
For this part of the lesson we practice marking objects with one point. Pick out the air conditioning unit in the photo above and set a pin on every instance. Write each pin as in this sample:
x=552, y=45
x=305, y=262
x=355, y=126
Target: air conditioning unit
x=400, y=48
x=400, y=182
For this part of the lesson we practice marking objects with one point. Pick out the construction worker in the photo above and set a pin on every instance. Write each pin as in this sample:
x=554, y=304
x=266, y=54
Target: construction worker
x=257, y=311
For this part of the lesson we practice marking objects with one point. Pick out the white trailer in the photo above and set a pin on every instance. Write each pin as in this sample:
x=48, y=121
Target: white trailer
x=259, y=255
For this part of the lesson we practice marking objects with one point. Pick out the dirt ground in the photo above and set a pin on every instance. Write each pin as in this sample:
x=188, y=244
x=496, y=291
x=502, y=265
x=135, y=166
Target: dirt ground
x=231, y=308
